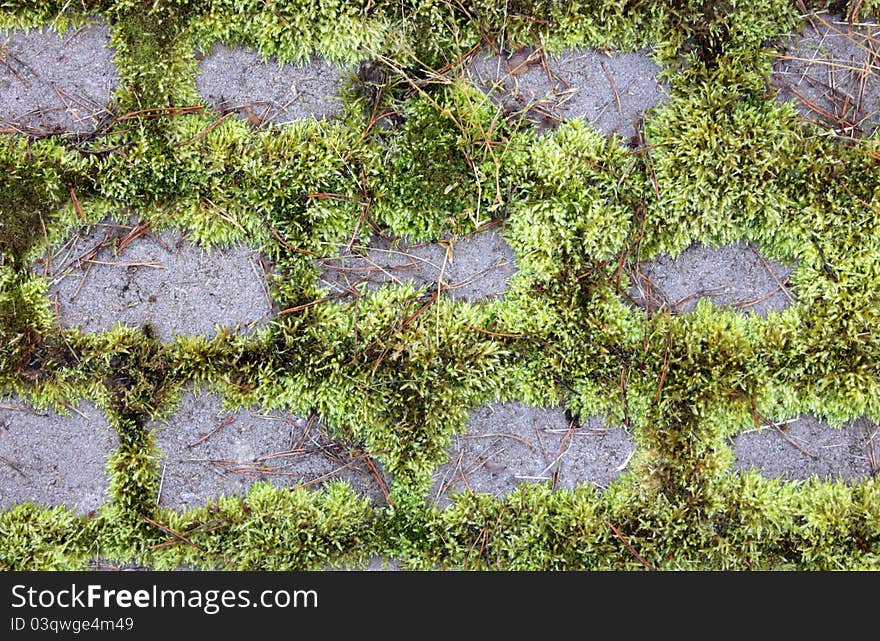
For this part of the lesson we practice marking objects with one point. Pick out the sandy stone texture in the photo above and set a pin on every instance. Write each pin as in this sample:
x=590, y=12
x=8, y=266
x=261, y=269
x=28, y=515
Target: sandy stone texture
x=734, y=275
x=611, y=91
x=54, y=459
x=207, y=452
x=240, y=80
x=110, y=274
x=831, y=73
x=470, y=268
x=52, y=83
x=808, y=446
x=509, y=443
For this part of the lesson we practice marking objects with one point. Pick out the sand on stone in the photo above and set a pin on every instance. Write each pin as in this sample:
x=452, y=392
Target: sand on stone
x=158, y=279
x=54, y=459
x=470, y=268
x=508, y=444
x=810, y=447
x=51, y=83
x=732, y=275
x=241, y=81
x=374, y=564
x=610, y=91
x=831, y=72
x=207, y=452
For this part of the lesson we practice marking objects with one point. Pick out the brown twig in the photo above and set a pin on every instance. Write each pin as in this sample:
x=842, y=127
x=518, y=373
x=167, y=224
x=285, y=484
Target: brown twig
x=117, y=263
x=383, y=487
x=613, y=87
x=204, y=132
x=76, y=207
x=628, y=546
x=771, y=272
x=176, y=535
x=12, y=465
x=229, y=420
x=299, y=308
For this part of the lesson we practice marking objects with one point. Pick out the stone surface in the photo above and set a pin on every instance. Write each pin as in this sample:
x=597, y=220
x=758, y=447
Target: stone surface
x=51, y=83
x=470, y=268
x=207, y=452
x=54, y=459
x=807, y=446
x=731, y=275
x=101, y=278
x=611, y=91
x=831, y=72
x=240, y=80
x=508, y=443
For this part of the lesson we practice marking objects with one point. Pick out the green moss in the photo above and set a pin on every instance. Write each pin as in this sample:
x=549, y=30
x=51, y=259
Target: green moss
x=533, y=529
x=726, y=166
x=36, y=179
x=292, y=31
x=441, y=171
x=396, y=371
x=24, y=319
x=25, y=14
x=271, y=529
x=576, y=194
x=37, y=538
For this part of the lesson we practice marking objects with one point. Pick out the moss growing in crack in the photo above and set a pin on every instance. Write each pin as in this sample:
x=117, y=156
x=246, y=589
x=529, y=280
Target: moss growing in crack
x=134, y=485
x=35, y=178
x=575, y=194
x=724, y=163
x=396, y=372
x=690, y=365
x=442, y=171
x=292, y=31
x=38, y=539
x=24, y=14
x=229, y=363
x=25, y=321
x=710, y=28
x=153, y=54
x=304, y=181
x=374, y=376
x=534, y=528
x=762, y=523
x=854, y=9
x=272, y=529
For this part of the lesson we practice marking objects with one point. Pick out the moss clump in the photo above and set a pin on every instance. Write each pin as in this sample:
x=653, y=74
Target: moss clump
x=39, y=538
x=35, y=179
x=575, y=196
x=395, y=371
x=726, y=165
x=440, y=172
x=271, y=529
x=24, y=320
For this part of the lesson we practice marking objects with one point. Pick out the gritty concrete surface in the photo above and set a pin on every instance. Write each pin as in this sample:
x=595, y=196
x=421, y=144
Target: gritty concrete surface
x=732, y=275
x=51, y=83
x=207, y=452
x=240, y=80
x=470, y=268
x=52, y=459
x=831, y=71
x=110, y=274
x=808, y=446
x=374, y=564
x=610, y=91
x=508, y=443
